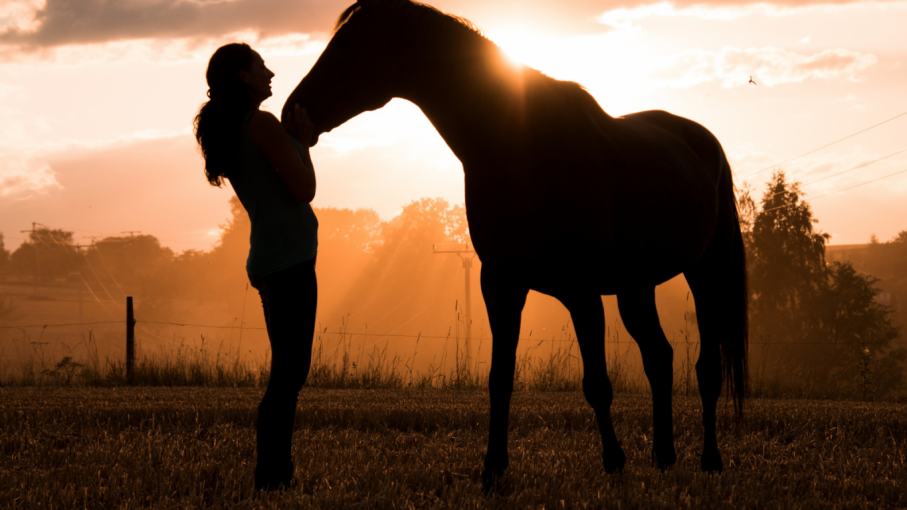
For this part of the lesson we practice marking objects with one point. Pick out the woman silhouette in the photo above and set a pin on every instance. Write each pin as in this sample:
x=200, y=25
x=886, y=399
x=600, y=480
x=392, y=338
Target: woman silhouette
x=269, y=167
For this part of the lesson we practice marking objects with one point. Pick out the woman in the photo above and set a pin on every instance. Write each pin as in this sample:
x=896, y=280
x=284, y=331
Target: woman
x=269, y=167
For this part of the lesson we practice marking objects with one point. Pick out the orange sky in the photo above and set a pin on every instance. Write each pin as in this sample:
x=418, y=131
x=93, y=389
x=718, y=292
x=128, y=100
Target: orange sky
x=96, y=101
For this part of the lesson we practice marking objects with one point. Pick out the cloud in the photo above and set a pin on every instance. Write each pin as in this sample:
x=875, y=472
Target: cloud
x=22, y=176
x=19, y=14
x=62, y=22
x=30, y=25
x=768, y=66
x=161, y=50
x=624, y=17
x=153, y=184
x=28, y=169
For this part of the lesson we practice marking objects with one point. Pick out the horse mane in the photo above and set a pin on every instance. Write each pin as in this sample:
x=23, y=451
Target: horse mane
x=460, y=32
x=349, y=11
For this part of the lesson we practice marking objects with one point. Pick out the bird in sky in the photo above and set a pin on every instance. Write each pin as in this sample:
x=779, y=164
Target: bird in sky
x=751, y=80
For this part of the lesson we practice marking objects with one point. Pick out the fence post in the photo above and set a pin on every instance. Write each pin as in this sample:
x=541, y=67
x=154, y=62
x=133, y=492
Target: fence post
x=130, y=341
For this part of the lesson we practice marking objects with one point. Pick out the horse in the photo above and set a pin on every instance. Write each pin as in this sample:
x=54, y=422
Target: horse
x=610, y=206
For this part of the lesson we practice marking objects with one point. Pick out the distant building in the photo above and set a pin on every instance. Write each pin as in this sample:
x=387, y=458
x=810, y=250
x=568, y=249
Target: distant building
x=855, y=253
x=865, y=261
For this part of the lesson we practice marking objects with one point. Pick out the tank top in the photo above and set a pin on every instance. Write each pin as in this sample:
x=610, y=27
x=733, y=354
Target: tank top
x=284, y=230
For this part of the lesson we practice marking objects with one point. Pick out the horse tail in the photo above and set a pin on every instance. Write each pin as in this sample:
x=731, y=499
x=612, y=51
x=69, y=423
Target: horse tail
x=718, y=282
x=735, y=342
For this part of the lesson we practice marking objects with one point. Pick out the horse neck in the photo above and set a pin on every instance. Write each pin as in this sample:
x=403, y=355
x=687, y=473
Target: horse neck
x=467, y=99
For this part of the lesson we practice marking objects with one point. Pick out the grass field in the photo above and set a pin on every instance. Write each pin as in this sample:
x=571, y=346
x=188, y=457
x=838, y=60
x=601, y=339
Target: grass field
x=194, y=448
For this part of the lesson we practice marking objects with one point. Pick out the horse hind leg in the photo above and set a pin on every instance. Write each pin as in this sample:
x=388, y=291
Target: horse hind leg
x=640, y=317
x=589, y=322
x=708, y=299
x=718, y=283
x=504, y=300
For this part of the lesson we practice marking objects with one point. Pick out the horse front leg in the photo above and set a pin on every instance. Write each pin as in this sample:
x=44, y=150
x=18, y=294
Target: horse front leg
x=504, y=300
x=589, y=322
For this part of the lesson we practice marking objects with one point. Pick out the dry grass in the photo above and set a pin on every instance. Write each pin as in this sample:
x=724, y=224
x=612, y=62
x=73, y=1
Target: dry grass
x=194, y=448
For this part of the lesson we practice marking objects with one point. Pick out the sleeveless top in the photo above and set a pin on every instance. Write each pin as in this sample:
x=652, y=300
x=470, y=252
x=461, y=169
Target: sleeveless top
x=284, y=230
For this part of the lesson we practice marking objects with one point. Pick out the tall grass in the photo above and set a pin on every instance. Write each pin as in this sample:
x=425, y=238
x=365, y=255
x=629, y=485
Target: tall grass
x=346, y=363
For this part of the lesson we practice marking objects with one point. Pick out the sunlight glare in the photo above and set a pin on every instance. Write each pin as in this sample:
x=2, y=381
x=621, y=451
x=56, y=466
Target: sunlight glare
x=522, y=45
x=613, y=66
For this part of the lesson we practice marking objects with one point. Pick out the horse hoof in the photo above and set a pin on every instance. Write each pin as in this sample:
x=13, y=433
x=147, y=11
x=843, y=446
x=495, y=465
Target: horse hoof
x=491, y=481
x=614, y=462
x=712, y=463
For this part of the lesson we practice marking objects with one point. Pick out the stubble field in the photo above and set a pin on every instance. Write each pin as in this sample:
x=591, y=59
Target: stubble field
x=194, y=448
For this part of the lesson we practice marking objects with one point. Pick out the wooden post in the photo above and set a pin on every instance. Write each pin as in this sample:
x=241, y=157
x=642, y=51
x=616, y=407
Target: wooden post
x=130, y=341
x=467, y=265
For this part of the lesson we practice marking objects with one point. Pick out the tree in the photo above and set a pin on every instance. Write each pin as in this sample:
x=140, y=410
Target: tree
x=854, y=318
x=786, y=263
x=746, y=208
x=858, y=326
x=826, y=317
x=133, y=265
x=48, y=254
x=404, y=281
x=346, y=229
x=887, y=261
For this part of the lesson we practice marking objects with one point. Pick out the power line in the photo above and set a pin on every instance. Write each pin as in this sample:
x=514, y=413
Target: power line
x=845, y=171
x=97, y=251
x=526, y=339
x=60, y=325
x=839, y=190
x=861, y=184
x=826, y=145
x=70, y=255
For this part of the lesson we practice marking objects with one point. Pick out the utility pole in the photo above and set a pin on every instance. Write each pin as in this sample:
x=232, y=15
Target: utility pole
x=466, y=253
x=34, y=238
x=131, y=232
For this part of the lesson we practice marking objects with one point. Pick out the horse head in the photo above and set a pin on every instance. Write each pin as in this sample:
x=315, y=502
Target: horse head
x=359, y=69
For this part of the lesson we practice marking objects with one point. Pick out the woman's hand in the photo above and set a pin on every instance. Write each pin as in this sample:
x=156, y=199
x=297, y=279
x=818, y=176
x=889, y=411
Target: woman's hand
x=299, y=126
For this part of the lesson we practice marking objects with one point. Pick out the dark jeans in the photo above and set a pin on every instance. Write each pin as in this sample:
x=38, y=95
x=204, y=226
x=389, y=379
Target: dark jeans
x=289, y=298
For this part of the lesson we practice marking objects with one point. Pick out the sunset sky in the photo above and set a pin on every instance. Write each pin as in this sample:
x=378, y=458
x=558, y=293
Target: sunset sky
x=97, y=99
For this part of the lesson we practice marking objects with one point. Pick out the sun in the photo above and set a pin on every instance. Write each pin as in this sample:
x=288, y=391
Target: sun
x=550, y=54
x=521, y=44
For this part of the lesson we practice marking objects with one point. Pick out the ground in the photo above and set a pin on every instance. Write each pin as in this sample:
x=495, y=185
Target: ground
x=194, y=448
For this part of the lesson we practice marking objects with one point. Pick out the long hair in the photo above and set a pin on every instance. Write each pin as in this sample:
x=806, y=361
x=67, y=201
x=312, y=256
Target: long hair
x=219, y=120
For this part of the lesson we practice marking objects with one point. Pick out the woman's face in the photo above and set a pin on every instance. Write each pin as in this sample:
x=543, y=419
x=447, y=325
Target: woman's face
x=258, y=79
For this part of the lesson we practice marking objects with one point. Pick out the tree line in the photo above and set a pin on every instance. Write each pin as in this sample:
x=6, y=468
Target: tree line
x=806, y=314
x=814, y=316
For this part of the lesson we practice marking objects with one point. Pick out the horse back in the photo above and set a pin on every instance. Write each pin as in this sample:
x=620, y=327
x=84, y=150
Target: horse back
x=665, y=170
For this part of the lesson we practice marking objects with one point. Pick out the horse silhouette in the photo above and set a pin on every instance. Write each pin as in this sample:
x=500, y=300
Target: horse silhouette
x=608, y=205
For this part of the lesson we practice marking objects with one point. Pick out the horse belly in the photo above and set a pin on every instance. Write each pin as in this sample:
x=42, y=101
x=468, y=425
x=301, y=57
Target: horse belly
x=665, y=218
x=605, y=220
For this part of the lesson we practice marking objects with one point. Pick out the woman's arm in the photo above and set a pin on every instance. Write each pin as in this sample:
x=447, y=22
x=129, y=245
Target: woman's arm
x=297, y=172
